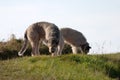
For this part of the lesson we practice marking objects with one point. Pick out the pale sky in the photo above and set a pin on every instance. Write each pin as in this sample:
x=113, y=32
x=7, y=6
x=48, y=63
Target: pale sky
x=98, y=20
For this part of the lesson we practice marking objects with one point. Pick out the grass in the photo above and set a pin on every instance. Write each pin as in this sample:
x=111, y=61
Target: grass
x=65, y=67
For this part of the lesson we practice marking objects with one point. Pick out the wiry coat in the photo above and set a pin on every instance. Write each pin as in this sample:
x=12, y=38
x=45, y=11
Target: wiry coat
x=38, y=32
x=76, y=40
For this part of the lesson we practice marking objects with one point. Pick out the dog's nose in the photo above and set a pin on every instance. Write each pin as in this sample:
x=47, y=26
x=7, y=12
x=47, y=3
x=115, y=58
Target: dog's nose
x=52, y=51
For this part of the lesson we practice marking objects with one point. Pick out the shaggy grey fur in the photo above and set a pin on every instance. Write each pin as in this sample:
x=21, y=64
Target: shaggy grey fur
x=76, y=40
x=41, y=31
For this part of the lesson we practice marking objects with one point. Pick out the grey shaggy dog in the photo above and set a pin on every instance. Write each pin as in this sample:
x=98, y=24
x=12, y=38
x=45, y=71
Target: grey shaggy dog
x=75, y=39
x=41, y=31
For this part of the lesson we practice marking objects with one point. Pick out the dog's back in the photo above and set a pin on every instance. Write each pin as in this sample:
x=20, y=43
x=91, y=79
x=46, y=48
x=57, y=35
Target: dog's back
x=76, y=40
x=73, y=37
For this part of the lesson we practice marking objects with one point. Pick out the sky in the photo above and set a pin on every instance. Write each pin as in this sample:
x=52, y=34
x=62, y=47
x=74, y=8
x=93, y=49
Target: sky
x=98, y=20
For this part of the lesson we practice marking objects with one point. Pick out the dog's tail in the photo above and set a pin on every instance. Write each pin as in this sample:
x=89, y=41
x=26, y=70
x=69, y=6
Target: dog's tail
x=24, y=47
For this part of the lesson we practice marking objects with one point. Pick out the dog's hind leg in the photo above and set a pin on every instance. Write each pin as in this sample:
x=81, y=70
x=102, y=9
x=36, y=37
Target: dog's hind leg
x=35, y=48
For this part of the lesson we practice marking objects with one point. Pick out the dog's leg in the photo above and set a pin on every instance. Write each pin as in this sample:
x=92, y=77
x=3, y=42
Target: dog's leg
x=60, y=47
x=74, y=50
x=81, y=50
x=33, y=53
x=37, y=48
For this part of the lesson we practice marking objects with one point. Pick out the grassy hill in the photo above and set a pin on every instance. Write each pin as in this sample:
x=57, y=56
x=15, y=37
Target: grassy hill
x=65, y=67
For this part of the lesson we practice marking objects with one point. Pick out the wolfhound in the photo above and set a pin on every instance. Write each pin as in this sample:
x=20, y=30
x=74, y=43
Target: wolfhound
x=41, y=31
x=75, y=39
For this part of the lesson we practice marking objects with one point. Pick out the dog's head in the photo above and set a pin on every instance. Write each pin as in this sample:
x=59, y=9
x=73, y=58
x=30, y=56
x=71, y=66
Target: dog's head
x=52, y=37
x=85, y=48
x=52, y=44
